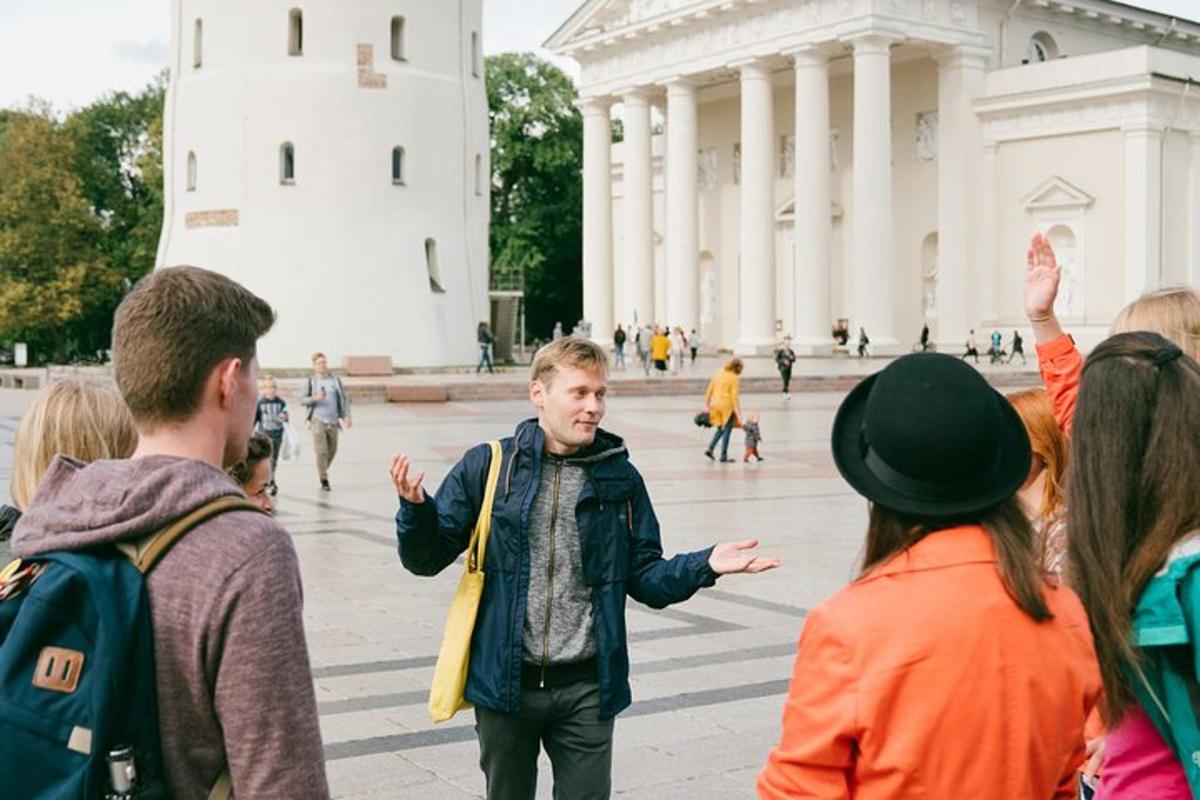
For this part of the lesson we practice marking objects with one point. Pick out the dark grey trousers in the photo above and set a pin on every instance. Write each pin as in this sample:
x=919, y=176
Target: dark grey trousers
x=566, y=721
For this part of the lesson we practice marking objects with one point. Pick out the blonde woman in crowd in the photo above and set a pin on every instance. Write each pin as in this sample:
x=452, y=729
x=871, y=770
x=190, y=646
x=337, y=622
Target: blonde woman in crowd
x=1043, y=494
x=85, y=421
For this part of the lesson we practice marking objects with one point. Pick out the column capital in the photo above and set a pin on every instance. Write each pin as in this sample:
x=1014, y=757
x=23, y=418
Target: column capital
x=636, y=95
x=962, y=56
x=873, y=42
x=816, y=54
x=594, y=106
x=681, y=85
x=753, y=69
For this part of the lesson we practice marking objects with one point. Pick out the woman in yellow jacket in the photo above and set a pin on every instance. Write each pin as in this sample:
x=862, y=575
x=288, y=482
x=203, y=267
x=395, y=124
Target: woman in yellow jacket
x=723, y=405
x=952, y=668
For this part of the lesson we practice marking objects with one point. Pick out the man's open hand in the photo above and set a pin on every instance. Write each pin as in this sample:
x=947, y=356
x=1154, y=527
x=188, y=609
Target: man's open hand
x=408, y=488
x=730, y=557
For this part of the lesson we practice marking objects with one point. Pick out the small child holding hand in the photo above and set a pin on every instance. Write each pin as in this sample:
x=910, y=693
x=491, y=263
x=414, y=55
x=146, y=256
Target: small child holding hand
x=753, y=436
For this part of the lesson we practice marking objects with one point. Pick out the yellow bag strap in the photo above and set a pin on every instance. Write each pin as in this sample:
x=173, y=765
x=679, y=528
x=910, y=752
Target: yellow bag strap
x=483, y=524
x=145, y=552
x=223, y=788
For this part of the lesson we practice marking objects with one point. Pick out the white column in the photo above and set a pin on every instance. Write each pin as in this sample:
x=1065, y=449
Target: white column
x=682, y=204
x=961, y=73
x=1193, y=268
x=757, y=244
x=637, y=267
x=872, y=211
x=813, y=220
x=1143, y=209
x=988, y=255
x=597, y=218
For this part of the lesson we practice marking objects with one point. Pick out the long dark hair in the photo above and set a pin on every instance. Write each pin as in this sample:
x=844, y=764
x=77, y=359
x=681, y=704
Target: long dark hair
x=1018, y=557
x=1131, y=488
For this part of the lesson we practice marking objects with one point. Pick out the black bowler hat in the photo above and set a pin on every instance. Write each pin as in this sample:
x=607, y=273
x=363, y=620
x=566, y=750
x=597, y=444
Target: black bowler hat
x=928, y=437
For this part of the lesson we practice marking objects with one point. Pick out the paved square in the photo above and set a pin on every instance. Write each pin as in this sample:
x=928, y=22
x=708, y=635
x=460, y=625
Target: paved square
x=708, y=675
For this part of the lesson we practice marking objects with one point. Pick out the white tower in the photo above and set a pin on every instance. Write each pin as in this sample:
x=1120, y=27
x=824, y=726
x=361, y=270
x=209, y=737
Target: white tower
x=333, y=158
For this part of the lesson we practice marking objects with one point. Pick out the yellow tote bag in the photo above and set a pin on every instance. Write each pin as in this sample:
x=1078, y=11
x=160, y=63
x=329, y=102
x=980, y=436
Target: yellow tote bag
x=450, y=674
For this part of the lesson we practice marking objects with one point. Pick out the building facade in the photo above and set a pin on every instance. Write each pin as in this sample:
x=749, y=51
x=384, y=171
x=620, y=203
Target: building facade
x=333, y=157
x=787, y=164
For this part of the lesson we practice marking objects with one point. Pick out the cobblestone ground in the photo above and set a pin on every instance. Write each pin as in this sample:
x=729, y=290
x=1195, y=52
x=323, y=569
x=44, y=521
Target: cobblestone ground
x=709, y=676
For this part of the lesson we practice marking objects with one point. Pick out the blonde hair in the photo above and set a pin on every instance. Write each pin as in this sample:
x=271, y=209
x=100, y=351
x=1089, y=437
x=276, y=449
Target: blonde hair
x=1047, y=441
x=734, y=365
x=570, y=351
x=86, y=421
x=1172, y=311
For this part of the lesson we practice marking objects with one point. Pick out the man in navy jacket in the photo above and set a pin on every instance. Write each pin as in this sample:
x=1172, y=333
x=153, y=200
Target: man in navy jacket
x=573, y=532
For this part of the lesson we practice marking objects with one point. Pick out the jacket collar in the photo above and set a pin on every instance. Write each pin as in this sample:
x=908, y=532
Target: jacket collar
x=529, y=438
x=949, y=547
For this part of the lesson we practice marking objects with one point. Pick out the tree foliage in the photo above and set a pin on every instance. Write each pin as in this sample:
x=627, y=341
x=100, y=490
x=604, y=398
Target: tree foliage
x=80, y=213
x=537, y=157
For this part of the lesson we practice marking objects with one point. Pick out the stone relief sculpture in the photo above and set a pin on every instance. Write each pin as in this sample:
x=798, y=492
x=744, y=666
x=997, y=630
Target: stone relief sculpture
x=1062, y=239
x=834, y=138
x=707, y=167
x=927, y=136
x=737, y=162
x=787, y=156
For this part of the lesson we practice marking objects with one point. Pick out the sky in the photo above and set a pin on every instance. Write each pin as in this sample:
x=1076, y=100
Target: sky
x=121, y=44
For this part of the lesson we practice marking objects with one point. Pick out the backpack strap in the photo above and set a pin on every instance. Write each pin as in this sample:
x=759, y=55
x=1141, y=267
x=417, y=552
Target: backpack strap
x=223, y=788
x=146, y=552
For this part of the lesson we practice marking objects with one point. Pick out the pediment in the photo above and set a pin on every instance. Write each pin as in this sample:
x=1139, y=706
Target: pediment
x=787, y=211
x=1056, y=192
x=598, y=16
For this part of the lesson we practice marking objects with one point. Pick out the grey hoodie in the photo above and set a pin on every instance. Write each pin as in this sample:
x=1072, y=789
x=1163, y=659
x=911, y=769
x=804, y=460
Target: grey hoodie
x=234, y=682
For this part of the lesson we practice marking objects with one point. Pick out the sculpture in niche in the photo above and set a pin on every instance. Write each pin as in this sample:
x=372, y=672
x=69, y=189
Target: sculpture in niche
x=708, y=290
x=787, y=156
x=707, y=176
x=1062, y=239
x=834, y=137
x=927, y=136
x=929, y=276
x=737, y=162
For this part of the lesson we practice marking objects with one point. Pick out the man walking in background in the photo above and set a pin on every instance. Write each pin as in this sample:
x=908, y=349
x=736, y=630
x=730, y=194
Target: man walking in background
x=328, y=410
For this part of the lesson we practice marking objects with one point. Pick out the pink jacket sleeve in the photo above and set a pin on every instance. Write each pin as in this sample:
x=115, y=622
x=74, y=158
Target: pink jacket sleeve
x=815, y=756
x=1061, y=365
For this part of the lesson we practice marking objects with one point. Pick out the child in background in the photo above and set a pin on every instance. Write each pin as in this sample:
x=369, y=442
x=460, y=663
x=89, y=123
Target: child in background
x=269, y=416
x=753, y=436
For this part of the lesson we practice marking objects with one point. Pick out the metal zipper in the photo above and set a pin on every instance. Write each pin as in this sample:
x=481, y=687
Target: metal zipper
x=550, y=575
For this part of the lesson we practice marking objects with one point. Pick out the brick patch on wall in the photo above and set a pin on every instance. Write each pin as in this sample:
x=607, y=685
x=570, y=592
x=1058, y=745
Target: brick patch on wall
x=368, y=78
x=220, y=218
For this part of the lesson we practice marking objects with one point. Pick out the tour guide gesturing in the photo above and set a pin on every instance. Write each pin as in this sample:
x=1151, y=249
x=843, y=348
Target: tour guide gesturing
x=572, y=532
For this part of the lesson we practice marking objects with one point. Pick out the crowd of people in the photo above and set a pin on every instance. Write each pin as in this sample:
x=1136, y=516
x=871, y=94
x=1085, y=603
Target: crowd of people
x=1024, y=624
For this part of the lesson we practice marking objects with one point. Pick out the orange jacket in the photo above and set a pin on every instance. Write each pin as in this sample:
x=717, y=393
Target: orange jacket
x=1061, y=365
x=925, y=681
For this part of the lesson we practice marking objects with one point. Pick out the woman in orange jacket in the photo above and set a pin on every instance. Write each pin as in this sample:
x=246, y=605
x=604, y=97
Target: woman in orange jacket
x=951, y=668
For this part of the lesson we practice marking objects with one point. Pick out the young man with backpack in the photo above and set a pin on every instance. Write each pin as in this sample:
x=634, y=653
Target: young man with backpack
x=328, y=406
x=233, y=687
x=573, y=532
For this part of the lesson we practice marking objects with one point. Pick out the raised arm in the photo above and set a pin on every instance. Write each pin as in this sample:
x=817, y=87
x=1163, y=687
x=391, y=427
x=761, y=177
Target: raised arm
x=433, y=530
x=1058, y=359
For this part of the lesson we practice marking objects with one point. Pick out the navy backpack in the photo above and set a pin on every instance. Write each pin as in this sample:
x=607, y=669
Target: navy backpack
x=78, y=699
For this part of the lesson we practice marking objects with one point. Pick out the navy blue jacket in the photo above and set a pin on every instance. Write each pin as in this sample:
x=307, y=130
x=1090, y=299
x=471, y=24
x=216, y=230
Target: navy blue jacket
x=620, y=547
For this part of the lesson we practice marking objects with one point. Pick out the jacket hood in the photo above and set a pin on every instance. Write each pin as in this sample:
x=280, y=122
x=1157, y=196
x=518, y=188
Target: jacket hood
x=80, y=505
x=530, y=436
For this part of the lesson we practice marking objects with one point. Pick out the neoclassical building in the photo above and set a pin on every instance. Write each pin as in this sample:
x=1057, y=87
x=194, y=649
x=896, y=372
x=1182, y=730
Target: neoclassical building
x=333, y=157
x=789, y=163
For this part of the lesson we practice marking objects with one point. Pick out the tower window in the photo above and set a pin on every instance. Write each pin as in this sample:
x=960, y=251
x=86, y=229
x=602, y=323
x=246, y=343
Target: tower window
x=287, y=163
x=432, y=266
x=398, y=166
x=476, y=66
x=398, y=39
x=1041, y=47
x=191, y=171
x=478, y=175
x=198, y=44
x=295, y=32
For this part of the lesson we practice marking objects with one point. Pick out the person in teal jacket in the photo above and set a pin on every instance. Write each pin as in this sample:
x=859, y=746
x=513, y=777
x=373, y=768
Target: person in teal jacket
x=1133, y=543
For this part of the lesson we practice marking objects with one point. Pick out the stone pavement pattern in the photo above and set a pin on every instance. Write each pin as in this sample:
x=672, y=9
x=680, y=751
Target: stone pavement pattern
x=709, y=676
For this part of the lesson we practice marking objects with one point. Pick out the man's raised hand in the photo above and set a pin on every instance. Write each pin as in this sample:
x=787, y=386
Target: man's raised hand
x=730, y=557
x=409, y=488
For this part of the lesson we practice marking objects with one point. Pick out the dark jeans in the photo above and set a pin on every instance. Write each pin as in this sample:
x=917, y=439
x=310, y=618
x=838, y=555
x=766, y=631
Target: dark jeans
x=566, y=721
x=722, y=435
x=276, y=438
x=786, y=374
x=485, y=357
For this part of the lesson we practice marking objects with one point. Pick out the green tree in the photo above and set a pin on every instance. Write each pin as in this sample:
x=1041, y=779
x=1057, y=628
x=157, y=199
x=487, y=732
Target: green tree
x=53, y=272
x=537, y=156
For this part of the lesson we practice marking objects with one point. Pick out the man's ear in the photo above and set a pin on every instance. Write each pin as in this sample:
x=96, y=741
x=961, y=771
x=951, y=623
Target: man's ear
x=537, y=394
x=228, y=373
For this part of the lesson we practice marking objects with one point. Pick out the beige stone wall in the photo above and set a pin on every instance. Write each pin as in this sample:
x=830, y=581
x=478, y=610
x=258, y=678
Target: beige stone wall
x=222, y=218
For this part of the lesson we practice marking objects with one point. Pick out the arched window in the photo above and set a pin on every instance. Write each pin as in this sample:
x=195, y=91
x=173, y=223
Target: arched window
x=398, y=39
x=432, y=266
x=476, y=61
x=287, y=163
x=295, y=32
x=191, y=172
x=398, y=166
x=198, y=44
x=1041, y=47
x=478, y=175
